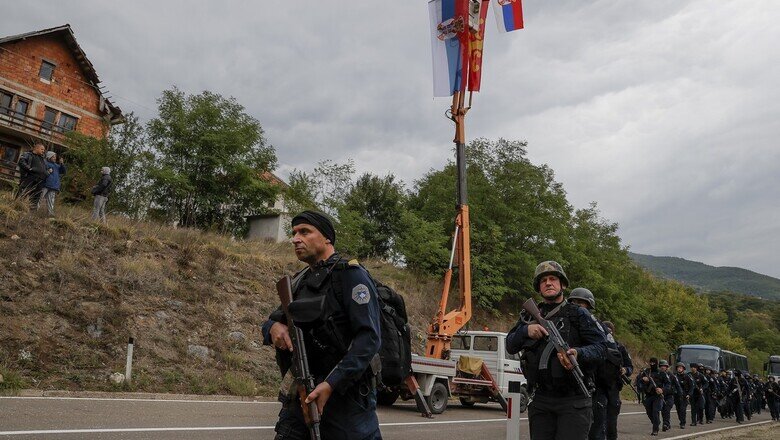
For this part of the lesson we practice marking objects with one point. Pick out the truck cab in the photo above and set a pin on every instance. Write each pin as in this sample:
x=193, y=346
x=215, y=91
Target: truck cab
x=491, y=348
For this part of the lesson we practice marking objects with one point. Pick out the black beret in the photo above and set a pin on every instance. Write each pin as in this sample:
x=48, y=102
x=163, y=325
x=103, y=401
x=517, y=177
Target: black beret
x=319, y=221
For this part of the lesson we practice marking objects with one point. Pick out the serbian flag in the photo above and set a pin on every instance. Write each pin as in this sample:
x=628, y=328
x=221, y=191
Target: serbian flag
x=475, y=49
x=509, y=14
x=450, y=45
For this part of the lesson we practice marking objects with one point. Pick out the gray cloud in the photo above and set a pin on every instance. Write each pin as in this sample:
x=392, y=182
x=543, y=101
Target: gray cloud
x=664, y=112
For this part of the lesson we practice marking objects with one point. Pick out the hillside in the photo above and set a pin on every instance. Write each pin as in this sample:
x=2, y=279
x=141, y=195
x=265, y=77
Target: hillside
x=711, y=278
x=73, y=291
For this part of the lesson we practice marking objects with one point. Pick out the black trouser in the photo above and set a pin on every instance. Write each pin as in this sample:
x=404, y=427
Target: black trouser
x=682, y=406
x=666, y=411
x=348, y=416
x=774, y=407
x=710, y=405
x=697, y=409
x=746, y=409
x=613, y=410
x=653, y=406
x=736, y=404
x=560, y=418
x=597, y=428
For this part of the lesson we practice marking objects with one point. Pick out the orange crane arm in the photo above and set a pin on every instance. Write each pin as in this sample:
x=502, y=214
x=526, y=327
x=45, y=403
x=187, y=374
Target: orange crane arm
x=445, y=324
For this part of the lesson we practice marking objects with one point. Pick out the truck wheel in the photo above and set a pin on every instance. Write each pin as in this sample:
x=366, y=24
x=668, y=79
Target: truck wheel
x=386, y=397
x=437, y=401
x=467, y=403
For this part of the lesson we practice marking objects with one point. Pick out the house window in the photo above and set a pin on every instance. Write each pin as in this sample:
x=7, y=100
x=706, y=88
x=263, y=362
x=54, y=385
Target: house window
x=66, y=122
x=49, y=116
x=9, y=153
x=5, y=103
x=47, y=69
x=21, y=108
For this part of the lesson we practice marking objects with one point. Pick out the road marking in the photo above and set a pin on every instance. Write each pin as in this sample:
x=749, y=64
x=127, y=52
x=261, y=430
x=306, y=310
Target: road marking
x=679, y=437
x=216, y=428
x=247, y=428
x=110, y=430
x=440, y=422
x=111, y=399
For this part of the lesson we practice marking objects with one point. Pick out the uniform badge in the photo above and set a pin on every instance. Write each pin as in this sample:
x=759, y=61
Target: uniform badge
x=361, y=294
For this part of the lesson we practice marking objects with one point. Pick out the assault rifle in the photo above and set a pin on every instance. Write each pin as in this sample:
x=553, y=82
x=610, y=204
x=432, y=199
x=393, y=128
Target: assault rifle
x=555, y=338
x=626, y=380
x=304, y=380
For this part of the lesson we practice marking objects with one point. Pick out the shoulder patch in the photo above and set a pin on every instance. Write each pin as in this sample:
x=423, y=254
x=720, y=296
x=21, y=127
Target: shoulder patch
x=354, y=263
x=361, y=294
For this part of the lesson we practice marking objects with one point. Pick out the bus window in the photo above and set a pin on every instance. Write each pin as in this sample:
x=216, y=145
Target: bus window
x=706, y=356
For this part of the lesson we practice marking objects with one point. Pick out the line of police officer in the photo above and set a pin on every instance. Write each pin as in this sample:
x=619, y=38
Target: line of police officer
x=731, y=393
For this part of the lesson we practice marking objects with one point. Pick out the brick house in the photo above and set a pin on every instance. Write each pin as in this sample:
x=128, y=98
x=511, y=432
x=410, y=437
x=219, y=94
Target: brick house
x=48, y=87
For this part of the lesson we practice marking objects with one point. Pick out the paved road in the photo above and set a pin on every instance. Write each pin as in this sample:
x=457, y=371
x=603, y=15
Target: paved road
x=103, y=419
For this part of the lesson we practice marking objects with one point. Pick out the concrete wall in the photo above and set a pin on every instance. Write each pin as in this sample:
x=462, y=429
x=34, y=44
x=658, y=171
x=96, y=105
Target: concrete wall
x=269, y=228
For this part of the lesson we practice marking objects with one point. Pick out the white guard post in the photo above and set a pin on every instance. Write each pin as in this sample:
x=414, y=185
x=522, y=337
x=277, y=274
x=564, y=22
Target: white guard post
x=513, y=411
x=129, y=365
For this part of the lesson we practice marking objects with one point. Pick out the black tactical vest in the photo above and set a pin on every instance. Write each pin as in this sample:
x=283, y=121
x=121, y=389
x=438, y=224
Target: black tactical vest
x=541, y=367
x=325, y=326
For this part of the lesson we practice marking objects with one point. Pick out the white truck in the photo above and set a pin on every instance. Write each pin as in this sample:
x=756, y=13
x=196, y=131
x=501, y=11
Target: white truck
x=439, y=379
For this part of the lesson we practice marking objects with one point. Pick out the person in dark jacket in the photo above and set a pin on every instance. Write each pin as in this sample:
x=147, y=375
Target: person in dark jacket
x=655, y=384
x=613, y=397
x=32, y=173
x=51, y=187
x=101, y=192
x=341, y=346
x=559, y=409
x=686, y=386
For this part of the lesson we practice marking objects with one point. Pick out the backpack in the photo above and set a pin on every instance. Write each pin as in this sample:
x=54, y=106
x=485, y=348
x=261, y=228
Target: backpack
x=396, y=349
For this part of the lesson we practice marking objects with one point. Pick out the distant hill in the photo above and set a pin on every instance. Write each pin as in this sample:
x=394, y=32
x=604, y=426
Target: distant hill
x=711, y=278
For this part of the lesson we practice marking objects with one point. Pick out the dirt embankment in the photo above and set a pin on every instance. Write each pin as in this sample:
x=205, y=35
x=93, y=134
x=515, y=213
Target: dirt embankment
x=72, y=292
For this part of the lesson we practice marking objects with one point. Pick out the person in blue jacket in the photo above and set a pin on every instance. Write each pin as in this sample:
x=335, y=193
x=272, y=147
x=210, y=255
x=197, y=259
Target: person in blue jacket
x=51, y=187
x=342, y=346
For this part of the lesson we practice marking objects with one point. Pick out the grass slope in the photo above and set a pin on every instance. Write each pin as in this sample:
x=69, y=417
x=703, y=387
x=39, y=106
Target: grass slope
x=73, y=291
x=711, y=278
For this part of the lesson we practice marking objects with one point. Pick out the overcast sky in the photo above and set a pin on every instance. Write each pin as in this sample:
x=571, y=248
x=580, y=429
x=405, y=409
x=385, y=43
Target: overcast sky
x=664, y=112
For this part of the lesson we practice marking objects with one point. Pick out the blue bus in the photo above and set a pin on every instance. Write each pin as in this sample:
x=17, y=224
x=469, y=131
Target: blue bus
x=711, y=356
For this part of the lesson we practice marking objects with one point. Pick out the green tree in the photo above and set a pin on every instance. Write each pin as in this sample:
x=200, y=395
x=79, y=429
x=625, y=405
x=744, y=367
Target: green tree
x=374, y=204
x=125, y=151
x=210, y=156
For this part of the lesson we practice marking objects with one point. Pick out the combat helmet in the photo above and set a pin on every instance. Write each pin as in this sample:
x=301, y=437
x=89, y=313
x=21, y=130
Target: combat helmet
x=663, y=363
x=680, y=364
x=549, y=268
x=585, y=295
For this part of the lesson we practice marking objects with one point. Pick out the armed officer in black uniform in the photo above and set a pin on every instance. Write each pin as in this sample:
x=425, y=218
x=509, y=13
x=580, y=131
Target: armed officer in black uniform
x=606, y=370
x=686, y=387
x=559, y=409
x=700, y=388
x=613, y=394
x=341, y=343
x=772, y=391
x=669, y=394
x=654, y=384
x=738, y=392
